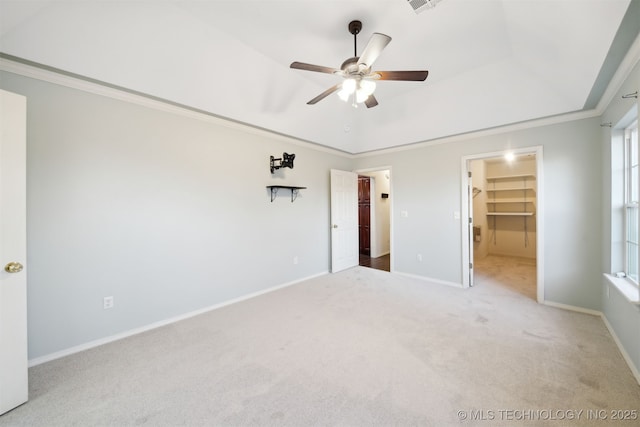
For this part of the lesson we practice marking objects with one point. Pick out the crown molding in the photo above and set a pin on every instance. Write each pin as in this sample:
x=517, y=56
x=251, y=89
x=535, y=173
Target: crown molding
x=630, y=60
x=58, y=77
x=528, y=124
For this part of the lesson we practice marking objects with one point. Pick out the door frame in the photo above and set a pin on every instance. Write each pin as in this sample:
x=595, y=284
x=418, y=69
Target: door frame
x=391, y=210
x=538, y=152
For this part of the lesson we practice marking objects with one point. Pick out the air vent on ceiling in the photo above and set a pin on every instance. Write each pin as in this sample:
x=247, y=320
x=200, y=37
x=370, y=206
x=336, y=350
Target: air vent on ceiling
x=422, y=5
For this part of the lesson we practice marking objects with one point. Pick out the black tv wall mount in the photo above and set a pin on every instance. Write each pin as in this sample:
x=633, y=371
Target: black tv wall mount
x=285, y=162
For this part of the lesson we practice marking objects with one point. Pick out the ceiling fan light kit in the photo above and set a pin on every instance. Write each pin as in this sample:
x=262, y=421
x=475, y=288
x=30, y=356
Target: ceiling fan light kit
x=359, y=80
x=360, y=89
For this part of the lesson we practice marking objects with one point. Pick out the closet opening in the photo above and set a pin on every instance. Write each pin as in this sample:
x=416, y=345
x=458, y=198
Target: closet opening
x=503, y=195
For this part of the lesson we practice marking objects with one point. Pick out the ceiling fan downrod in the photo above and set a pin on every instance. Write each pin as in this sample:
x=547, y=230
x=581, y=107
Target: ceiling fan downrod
x=354, y=28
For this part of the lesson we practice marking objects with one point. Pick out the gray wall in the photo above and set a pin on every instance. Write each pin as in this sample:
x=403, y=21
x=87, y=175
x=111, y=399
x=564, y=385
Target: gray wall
x=166, y=213
x=427, y=185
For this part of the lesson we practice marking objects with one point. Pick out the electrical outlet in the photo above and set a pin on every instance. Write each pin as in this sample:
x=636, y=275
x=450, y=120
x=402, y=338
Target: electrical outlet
x=295, y=260
x=419, y=257
x=107, y=302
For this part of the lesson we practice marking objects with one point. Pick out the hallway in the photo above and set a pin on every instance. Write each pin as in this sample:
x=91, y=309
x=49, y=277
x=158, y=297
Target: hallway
x=380, y=263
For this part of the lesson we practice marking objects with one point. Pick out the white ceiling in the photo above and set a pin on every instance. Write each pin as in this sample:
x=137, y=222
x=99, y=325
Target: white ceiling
x=491, y=62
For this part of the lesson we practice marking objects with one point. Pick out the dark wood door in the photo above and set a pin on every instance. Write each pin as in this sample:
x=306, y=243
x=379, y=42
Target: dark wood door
x=364, y=214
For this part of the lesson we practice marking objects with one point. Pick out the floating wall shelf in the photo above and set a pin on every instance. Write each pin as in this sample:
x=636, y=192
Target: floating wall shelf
x=294, y=191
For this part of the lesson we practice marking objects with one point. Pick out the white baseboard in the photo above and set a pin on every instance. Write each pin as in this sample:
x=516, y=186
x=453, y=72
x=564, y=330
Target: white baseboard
x=572, y=308
x=429, y=279
x=625, y=355
x=91, y=344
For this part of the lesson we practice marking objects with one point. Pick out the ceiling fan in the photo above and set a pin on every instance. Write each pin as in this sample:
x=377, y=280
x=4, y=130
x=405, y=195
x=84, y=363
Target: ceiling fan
x=359, y=80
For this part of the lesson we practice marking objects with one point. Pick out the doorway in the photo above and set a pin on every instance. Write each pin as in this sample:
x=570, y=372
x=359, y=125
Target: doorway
x=502, y=240
x=374, y=218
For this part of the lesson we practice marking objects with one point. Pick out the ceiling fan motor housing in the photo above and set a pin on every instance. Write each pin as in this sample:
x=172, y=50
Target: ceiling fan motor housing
x=355, y=27
x=352, y=68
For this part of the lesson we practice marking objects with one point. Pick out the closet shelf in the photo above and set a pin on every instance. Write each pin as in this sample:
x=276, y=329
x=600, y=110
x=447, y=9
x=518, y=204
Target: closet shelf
x=511, y=196
x=510, y=213
x=511, y=201
x=510, y=177
x=489, y=190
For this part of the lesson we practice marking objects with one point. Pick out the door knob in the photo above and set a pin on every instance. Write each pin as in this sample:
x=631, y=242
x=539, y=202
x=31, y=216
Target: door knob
x=13, y=267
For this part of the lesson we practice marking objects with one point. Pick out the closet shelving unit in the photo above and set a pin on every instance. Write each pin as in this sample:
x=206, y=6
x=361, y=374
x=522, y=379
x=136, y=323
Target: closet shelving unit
x=511, y=196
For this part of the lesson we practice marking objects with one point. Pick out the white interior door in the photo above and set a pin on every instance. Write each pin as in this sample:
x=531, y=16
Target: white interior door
x=344, y=220
x=13, y=252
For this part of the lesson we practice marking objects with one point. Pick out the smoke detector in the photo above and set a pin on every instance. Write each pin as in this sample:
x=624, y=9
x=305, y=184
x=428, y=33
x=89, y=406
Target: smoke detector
x=422, y=5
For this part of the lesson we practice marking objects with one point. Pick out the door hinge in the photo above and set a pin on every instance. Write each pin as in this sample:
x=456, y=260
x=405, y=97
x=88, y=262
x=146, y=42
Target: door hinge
x=469, y=173
x=470, y=220
x=471, y=265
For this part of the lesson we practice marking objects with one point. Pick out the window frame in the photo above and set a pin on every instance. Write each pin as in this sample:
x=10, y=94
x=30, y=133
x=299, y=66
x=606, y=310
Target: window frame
x=631, y=202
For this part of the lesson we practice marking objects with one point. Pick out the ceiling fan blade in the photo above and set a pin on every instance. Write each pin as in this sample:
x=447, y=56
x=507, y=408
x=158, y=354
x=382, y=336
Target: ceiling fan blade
x=311, y=67
x=377, y=42
x=371, y=101
x=416, y=76
x=324, y=94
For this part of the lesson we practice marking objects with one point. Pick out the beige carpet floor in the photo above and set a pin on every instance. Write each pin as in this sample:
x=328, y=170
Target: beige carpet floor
x=362, y=347
x=513, y=273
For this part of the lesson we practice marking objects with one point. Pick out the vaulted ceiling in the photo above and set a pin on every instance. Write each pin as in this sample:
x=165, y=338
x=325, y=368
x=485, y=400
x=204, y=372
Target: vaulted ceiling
x=491, y=62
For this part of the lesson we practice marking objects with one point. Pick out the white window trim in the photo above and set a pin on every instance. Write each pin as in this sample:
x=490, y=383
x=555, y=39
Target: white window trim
x=617, y=278
x=628, y=204
x=625, y=287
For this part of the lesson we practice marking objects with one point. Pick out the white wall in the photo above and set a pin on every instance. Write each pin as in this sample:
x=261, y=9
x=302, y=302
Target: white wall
x=427, y=185
x=167, y=214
